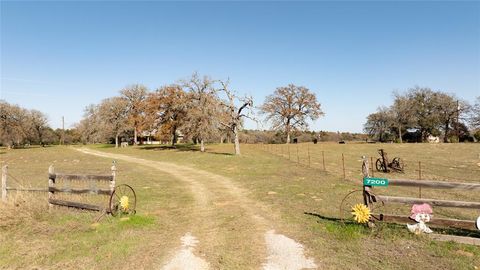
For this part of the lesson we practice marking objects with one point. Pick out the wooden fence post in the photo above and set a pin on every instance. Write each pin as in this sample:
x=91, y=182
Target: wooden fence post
x=4, y=183
x=323, y=160
x=420, y=178
x=114, y=174
x=343, y=166
x=365, y=167
x=51, y=184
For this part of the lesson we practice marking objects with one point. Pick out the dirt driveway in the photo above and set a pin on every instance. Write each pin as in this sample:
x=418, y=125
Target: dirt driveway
x=228, y=229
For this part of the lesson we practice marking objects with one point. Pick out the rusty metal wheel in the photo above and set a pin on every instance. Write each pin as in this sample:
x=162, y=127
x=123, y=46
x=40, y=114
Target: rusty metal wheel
x=123, y=201
x=359, y=197
x=351, y=199
x=380, y=165
x=397, y=164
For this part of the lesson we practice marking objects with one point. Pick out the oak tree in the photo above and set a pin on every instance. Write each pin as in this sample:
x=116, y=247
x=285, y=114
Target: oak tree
x=201, y=121
x=114, y=116
x=135, y=96
x=166, y=109
x=289, y=108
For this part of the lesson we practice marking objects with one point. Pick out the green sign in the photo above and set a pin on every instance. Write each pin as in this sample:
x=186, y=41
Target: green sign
x=374, y=181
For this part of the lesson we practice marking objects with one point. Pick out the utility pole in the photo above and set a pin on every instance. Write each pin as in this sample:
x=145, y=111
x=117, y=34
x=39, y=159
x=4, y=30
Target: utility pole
x=62, y=140
x=458, y=121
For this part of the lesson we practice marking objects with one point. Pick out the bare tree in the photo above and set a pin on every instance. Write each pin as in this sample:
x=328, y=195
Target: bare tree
x=135, y=96
x=90, y=127
x=474, y=114
x=167, y=109
x=114, y=115
x=290, y=107
x=234, y=113
x=201, y=121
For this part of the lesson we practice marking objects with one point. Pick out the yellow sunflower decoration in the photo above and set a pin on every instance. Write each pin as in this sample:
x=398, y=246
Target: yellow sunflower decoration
x=124, y=203
x=361, y=213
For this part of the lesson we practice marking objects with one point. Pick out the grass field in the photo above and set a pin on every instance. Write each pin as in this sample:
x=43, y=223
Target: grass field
x=269, y=183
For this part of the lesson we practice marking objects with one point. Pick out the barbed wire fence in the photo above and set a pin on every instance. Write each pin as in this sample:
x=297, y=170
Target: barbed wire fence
x=348, y=166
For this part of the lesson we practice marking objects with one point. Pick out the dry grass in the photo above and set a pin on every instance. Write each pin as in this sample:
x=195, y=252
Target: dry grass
x=291, y=189
x=67, y=239
x=32, y=236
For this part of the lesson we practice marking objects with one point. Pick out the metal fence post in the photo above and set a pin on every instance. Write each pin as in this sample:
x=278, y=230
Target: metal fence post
x=323, y=160
x=4, y=183
x=308, y=153
x=420, y=178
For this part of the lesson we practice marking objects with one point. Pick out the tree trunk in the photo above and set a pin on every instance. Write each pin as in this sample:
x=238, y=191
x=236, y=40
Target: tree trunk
x=116, y=141
x=287, y=128
x=221, y=139
x=445, y=136
x=237, y=142
x=202, y=146
x=400, y=133
x=135, y=136
x=174, y=136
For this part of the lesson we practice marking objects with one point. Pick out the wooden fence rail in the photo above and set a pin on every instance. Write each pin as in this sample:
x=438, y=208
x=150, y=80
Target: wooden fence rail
x=433, y=202
x=442, y=222
x=433, y=184
x=52, y=188
x=86, y=178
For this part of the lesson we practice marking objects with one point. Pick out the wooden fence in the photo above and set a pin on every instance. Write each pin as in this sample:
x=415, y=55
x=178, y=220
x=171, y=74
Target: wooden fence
x=89, y=185
x=93, y=180
x=441, y=222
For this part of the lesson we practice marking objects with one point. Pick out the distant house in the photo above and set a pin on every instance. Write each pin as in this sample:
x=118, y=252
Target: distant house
x=433, y=139
x=148, y=137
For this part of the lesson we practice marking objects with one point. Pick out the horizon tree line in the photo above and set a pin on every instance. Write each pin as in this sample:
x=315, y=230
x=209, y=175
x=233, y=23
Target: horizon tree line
x=199, y=108
x=202, y=110
x=422, y=112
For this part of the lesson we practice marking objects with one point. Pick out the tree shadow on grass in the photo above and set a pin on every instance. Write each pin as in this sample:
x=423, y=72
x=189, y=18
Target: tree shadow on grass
x=181, y=148
x=103, y=146
x=325, y=217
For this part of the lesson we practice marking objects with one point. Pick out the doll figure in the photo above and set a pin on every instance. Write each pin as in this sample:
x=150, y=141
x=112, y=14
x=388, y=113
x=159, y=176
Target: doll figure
x=421, y=213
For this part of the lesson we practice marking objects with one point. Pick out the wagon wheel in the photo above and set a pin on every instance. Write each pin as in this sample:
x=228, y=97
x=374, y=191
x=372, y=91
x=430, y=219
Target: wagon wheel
x=351, y=199
x=123, y=200
x=380, y=165
x=357, y=197
x=397, y=164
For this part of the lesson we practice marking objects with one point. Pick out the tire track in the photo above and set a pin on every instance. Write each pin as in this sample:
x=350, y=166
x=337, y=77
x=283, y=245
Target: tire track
x=227, y=222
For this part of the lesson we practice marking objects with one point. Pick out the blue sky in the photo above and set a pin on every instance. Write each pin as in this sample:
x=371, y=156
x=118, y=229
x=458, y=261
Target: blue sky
x=58, y=57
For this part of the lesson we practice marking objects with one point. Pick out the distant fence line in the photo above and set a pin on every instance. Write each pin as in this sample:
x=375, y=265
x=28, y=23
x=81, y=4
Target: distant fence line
x=346, y=165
